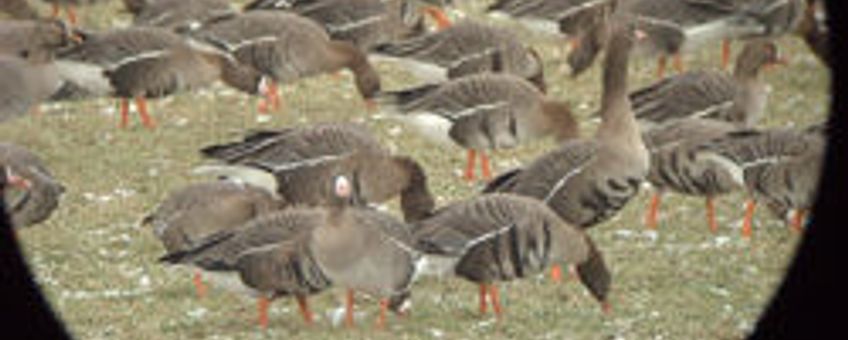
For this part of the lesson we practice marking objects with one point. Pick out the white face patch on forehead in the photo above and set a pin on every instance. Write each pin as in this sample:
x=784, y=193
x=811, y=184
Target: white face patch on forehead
x=342, y=186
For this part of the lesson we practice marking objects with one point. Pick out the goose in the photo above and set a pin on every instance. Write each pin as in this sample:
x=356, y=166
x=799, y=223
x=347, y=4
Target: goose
x=365, y=23
x=675, y=168
x=178, y=15
x=566, y=17
x=286, y=47
x=739, y=98
x=813, y=29
x=19, y=9
x=467, y=47
x=21, y=37
x=138, y=63
x=480, y=112
x=39, y=192
x=780, y=167
x=24, y=83
x=304, y=250
x=586, y=181
x=190, y=214
x=302, y=158
x=70, y=8
x=504, y=237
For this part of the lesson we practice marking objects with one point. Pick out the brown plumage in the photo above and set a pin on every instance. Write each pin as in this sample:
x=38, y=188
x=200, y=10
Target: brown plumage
x=674, y=167
x=178, y=15
x=813, y=29
x=146, y=62
x=39, y=192
x=70, y=8
x=469, y=47
x=302, y=251
x=287, y=47
x=587, y=181
x=481, y=112
x=302, y=159
x=21, y=37
x=18, y=9
x=568, y=17
x=503, y=237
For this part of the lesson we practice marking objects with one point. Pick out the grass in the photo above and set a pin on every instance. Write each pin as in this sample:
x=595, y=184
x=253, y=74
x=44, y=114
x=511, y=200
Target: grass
x=99, y=268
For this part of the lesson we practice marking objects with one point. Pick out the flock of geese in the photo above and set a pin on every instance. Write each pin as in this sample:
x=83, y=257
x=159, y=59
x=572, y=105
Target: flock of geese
x=291, y=213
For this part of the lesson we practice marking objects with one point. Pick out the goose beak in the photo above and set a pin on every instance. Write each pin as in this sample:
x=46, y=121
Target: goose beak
x=442, y=20
x=16, y=181
x=640, y=35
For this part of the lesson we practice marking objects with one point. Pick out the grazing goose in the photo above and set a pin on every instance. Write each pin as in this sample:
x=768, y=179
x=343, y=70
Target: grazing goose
x=468, y=47
x=24, y=83
x=568, y=17
x=40, y=192
x=778, y=167
x=365, y=23
x=739, y=98
x=587, y=181
x=178, y=15
x=287, y=47
x=302, y=251
x=302, y=159
x=21, y=37
x=675, y=168
x=503, y=237
x=70, y=8
x=482, y=112
x=189, y=215
x=146, y=62
x=19, y=9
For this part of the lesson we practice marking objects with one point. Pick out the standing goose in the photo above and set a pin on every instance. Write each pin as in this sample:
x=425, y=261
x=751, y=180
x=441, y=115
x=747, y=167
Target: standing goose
x=587, y=181
x=468, y=47
x=503, y=237
x=178, y=15
x=675, y=167
x=287, y=47
x=146, y=62
x=302, y=251
x=40, y=192
x=303, y=159
x=779, y=167
x=483, y=112
x=24, y=83
x=189, y=215
x=739, y=98
x=69, y=7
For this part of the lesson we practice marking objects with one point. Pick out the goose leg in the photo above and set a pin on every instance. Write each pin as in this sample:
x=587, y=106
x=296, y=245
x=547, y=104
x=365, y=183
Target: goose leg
x=725, y=54
x=678, y=63
x=469, y=166
x=662, y=61
x=55, y=10
x=199, y=287
x=274, y=96
x=711, y=221
x=381, y=318
x=496, y=301
x=556, y=273
x=349, y=308
x=125, y=112
x=263, y=304
x=485, y=166
x=141, y=105
x=72, y=14
x=442, y=20
x=750, y=205
x=797, y=224
x=482, y=297
x=653, y=210
x=303, y=306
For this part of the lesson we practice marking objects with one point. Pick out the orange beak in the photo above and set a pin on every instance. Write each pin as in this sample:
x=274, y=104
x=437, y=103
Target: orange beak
x=16, y=181
x=442, y=20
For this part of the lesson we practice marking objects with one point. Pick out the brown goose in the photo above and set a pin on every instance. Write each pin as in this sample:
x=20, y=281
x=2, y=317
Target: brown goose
x=587, y=181
x=480, y=112
x=778, y=167
x=189, y=215
x=503, y=237
x=468, y=47
x=568, y=17
x=287, y=47
x=365, y=23
x=24, y=83
x=178, y=15
x=146, y=62
x=739, y=98
x=813, y=29
x=303, y=251
x=70, y=8
x=675, y=168
x=20, y=37
x=19, y=9
x=40, y=191
x=302, y=159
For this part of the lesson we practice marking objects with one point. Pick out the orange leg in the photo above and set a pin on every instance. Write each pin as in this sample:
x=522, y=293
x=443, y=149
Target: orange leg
x=56, y=10
x=381, y=318
x=72, y=15
x=662, y=61
x=263, y=305
x=485, y=166
x=483, y=306
x=556, y=273
x=711, y=215
x=678, y=63
x=349, y=308
x=303, y=305
x=653, y=211
x=141, y=105
x=496, y=301
x=469, y=166
x=199, y=287
x=274, y=95
x=798, y=220
x=750, y=205
x=574, y=43
x=125, y=113
x=725, y=54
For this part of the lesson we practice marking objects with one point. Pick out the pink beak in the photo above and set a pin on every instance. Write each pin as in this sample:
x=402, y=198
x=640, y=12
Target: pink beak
x=16, y=181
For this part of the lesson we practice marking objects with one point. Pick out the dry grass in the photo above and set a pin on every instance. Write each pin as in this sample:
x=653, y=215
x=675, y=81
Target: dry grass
x=99, y=270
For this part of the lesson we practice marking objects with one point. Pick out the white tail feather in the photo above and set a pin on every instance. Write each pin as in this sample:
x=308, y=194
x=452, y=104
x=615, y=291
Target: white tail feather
x=245, y=174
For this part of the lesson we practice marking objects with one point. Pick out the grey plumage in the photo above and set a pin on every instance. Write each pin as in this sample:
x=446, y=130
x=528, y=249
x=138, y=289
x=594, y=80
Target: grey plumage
x=178, y=15
x=37, y=203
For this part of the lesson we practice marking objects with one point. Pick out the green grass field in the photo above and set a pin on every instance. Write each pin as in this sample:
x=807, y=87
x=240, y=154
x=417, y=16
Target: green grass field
x=98, y=267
